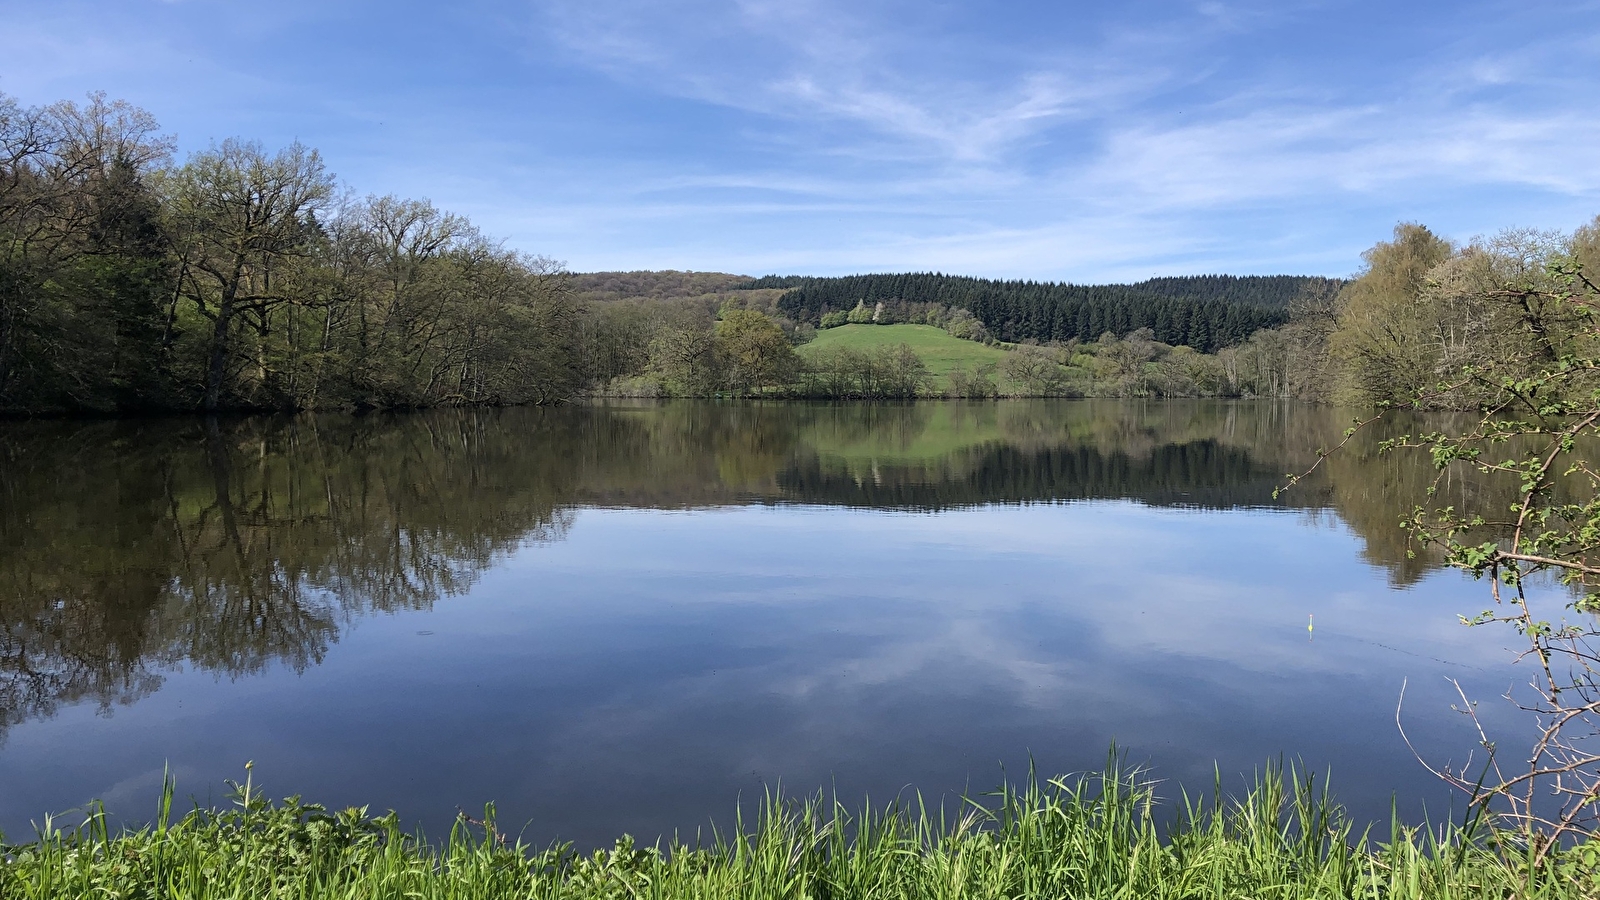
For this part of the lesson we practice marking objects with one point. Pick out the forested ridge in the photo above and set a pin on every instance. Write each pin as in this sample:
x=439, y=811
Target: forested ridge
x=1204, y=312
x=667, y=284
x=1271, y=291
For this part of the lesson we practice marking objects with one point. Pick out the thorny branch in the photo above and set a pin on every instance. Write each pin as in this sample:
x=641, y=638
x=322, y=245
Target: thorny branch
x=1541, y=425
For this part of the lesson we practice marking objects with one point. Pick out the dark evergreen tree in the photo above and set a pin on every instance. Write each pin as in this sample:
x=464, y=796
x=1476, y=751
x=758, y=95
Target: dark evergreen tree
x=129, y=253
x=1205, y=312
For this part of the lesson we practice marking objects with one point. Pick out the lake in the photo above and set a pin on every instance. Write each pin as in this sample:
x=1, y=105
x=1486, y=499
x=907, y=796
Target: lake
x=624, y=618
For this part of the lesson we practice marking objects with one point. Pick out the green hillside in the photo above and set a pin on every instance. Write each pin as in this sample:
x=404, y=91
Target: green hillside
x=939, y=351
x=1205, y=312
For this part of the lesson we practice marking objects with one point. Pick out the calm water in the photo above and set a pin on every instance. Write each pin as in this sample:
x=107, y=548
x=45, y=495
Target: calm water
x=625, y=618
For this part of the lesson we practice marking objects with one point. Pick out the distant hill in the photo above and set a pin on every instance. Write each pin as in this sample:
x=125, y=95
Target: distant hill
x=1206, y=312
x=666, y=285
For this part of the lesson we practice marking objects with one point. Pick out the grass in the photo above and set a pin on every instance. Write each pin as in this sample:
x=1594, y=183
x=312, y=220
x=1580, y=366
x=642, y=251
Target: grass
x=1092, y=836
x=939, y=351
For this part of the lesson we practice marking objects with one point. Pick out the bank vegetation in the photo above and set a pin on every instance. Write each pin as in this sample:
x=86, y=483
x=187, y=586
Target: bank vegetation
x=1097, y=835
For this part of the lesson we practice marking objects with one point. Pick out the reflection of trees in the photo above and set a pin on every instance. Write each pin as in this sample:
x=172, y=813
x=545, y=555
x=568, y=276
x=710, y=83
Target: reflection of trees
x=79, y=581
x=1202, y=473
x=129, y=548
x=939, y=456
x=1372, y=491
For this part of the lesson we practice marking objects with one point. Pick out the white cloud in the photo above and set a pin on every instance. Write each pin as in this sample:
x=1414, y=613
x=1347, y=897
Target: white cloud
x=1046, y=165
x=818, y=63
x=816, y=135
x=1306, y=151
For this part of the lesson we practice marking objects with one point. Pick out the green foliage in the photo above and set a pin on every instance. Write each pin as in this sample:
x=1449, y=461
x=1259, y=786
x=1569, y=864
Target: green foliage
x=964, y=325
x=1041, y=372
x=664, y=285
x=1537, y=431
x=940, y=352
x=884, y=372
x=1096, y=835
x=1207, y=312
x=687, y=357
x=1507, y=328
x=1386, y=332
x=1420, y=313
x=1424, y=311
x=955, y=367
x=1133, y=366
x=235, y=282
x=82, y=256
x=972, y=384
x=757, y=352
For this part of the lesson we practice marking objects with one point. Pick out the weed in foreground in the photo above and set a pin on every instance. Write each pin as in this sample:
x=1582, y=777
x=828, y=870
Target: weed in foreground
x=1095, y=835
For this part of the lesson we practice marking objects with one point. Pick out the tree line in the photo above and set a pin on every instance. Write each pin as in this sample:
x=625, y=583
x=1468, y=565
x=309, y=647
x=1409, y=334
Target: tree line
x=249, y=279
x=245, y=279
x=1507, y=331
x=1420, y=308
x=1203, y=312
x=1422, y=311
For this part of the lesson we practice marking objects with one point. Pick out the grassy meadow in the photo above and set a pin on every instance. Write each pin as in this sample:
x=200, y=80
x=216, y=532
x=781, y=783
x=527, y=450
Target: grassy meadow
x=939, y=351
x=1101, y=835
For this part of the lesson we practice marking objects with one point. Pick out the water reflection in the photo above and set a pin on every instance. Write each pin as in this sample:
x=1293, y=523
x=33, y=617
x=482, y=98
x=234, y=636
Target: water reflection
x=127, y=548
x=131, y=552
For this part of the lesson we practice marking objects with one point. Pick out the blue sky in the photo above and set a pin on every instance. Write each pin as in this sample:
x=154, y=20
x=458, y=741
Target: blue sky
x=1064, y=141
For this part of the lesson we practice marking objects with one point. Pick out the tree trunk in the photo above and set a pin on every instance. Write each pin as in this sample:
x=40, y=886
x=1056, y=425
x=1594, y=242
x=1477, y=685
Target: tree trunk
x=218, y=366
x=7, y=336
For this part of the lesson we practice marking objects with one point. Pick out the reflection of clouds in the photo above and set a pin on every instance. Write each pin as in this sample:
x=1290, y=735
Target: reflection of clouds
x=1066, y=633
x=1210, y=584
x=642, y=673
x=127, y=797
x=689, y=648
x=1234, y=586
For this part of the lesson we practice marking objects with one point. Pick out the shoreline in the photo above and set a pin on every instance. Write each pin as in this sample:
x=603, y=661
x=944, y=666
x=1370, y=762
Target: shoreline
x=1096, y=834
x=587, y=401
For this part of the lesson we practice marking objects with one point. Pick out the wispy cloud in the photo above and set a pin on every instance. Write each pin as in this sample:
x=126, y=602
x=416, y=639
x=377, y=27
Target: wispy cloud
x=840, y=70
x=1151, y=128
x=1011, y=138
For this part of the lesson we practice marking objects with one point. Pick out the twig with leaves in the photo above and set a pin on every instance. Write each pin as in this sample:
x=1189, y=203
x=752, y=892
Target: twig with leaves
x=1539, y=420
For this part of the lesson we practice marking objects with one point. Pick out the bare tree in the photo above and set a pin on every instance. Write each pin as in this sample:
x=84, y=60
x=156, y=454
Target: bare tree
x=243, y=217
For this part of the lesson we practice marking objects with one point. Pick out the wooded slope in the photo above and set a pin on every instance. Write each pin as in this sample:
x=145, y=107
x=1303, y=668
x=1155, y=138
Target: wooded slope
x=1204, y=312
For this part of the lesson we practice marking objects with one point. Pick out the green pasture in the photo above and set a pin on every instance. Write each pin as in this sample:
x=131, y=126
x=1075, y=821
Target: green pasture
x=939, y=351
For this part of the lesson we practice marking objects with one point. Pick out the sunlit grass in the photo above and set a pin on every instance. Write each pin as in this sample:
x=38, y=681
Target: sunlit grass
x=1099, y=835
x=938, y=350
